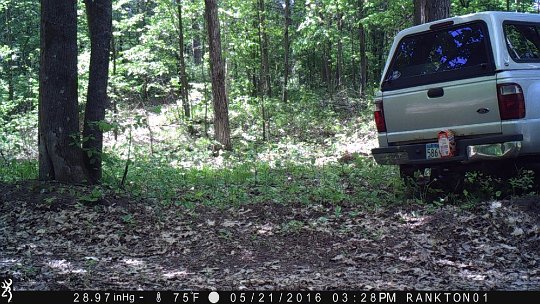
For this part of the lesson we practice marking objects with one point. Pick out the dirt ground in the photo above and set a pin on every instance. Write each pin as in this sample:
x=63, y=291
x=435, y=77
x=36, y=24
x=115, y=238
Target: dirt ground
x=51, y=240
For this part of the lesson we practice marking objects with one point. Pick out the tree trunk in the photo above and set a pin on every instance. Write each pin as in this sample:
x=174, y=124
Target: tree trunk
x=353, y=60
x=311, y=68
x=204, y=74
x=114, y=104
x=378, y=38
x=196, y=46
x=339, y=59
x=263, y=36
x=222, y=132
x=263, y=83
x=286, y=44
x=363, y=61
x=99, y=14
x=381, y=54
x=196, y=43
x=184, y=89
x=60, y=154
x=426, y=11
x=11, y=83
x=419, y=12
x=328, y=67
x=8, y=66
x=113, y=54
x=363, y=57
x=437, y=9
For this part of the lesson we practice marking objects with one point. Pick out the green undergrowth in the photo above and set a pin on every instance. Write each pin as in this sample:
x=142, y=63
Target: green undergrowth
x=18, y=170
x=298, y=163
x=476, y=187
x=315, y=152
x=361, y=182
x=357, y=183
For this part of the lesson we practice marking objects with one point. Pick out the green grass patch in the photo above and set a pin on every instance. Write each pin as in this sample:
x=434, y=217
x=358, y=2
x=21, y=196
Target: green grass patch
x=361, y=183
x=17, y=170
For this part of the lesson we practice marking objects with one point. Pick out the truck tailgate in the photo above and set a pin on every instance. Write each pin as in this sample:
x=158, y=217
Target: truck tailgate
x=467, y=108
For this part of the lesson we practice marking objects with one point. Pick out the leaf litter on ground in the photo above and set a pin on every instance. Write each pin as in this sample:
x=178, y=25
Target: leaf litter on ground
x=122, y=243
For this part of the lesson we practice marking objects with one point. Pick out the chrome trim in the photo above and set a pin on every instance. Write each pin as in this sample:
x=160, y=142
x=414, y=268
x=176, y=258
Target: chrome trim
x=493, y=151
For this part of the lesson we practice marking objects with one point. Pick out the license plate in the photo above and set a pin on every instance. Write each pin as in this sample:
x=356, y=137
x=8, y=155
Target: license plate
x=432, y=151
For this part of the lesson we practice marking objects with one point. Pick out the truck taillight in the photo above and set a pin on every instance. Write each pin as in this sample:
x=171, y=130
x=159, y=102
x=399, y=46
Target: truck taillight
x=511, y=101
x=379, y=116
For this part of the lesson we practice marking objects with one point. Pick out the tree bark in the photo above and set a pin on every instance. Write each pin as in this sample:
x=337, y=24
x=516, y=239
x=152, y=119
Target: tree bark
x=355, y=84
x=60, y=154
x=114, y=54
x=261, y=13
x=327, y=67
x=363, y=56
x=381, y=55
x=437, y=9
x=263, y=89
x=222, y=132
x=99, y=14
x=9, y=61
x=419, y=12
x=184, y=89
x=339, y=59
x=378, y=38
x=430, y=10
x=286, y=46
x=196, y=42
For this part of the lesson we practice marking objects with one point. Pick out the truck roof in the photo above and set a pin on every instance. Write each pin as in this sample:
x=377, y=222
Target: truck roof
x=488, y=17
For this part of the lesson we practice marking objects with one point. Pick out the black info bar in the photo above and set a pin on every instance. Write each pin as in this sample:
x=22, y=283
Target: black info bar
x=166, y=297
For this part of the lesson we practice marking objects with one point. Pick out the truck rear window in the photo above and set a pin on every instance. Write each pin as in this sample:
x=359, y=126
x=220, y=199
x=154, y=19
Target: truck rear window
x=523, y=41
x=451, y=53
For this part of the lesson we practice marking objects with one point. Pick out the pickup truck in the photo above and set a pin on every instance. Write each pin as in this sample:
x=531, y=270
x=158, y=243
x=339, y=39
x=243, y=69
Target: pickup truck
x=476, y=80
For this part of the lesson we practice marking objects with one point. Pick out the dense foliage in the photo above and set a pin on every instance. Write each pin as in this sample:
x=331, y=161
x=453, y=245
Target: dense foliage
x=324, y=70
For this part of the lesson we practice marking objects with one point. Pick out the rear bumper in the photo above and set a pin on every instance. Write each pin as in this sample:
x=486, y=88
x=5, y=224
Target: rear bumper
x=468, y=150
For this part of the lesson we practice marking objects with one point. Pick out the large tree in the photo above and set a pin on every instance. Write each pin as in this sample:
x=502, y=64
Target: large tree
x=430, y=10
x=60, y=154
x=363, y=55
x=286, y=47
x=184, y=89
x=437, y=9
x=222, y=132
x=99, y=14
x=8, y=62
x=266, y=83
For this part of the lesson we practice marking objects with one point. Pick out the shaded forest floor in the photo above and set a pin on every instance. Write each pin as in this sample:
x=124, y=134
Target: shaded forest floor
x=51, y=239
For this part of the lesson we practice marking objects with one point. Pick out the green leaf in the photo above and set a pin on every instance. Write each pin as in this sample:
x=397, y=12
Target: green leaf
x=104, y=126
